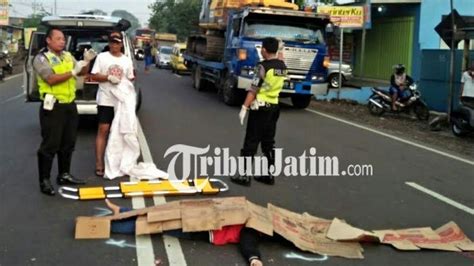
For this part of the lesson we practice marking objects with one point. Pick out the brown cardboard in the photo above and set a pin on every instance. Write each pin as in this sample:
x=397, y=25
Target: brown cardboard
x=259, y=219
x=92, y=227
x=341, y=231
x=448, y=237
x=231, y=210
x=308, y=233
x=163, y=215
x=143, y=227
x=172, y=225
x=323, y=245
x=198, y=216
x=143, y=211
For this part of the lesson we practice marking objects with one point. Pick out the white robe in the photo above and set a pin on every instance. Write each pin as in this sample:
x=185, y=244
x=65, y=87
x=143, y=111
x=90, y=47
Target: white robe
x=123, y=148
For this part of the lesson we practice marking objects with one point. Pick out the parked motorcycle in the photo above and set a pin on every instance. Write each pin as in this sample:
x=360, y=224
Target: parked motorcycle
x=462, y=120
x=6, y=64
x=381, y=102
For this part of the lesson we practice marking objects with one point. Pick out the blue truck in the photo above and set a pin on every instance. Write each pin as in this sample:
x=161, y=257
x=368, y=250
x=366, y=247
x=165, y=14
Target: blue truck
x=229, y=60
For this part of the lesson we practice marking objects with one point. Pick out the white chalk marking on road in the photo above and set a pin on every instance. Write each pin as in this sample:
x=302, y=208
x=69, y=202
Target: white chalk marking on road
x=13, y=98
x=441, y=197
x=293, y=255
x=178, y=76
x=173, y=248
x=120, y=243
x=393, y=137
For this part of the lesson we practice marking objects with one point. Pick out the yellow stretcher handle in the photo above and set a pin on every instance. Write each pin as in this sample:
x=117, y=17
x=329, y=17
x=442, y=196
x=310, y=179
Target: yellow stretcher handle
x=206, y=186
x=88, y=193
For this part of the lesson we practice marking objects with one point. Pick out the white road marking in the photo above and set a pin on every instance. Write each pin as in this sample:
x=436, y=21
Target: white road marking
x=394, y=137
x=441, y=197
x=173, y=248
x=12, y=77
x=178, y=76
x=13, y=98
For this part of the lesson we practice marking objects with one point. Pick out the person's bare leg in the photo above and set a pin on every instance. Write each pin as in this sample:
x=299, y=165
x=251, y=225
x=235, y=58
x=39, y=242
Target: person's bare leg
x=100, y=143
x=394, y=100
x=113, y=207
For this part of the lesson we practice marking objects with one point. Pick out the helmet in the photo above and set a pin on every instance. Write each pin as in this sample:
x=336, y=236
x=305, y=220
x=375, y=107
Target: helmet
x=399, y=69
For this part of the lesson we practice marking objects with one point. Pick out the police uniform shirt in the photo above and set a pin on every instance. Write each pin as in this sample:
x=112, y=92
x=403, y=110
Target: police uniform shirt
x=261, y=72
x=42, y=66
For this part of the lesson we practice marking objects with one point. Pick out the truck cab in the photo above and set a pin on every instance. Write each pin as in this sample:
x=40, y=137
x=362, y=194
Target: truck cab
x=81, y=31
x=304, y=52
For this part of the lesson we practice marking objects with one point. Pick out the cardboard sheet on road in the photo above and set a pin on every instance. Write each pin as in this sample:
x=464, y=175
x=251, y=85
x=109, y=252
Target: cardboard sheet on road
x=309, y=234
x=448, y=237
x=92, y=227
x=199, y=216
x=143, y=227
x=259, y=219
x=341, y=231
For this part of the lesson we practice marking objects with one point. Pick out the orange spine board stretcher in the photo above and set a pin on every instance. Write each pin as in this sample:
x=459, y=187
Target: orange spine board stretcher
x=206, y=186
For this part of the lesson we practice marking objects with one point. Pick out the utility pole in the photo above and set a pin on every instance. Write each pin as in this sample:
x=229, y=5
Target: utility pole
x=55, y=7
x=451, y=66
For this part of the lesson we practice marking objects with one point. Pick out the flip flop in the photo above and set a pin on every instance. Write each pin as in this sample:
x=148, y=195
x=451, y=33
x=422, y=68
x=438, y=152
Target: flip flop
x=99, y=172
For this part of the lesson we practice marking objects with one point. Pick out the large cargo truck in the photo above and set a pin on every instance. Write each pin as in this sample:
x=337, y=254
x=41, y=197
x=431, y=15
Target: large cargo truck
x=226, y=53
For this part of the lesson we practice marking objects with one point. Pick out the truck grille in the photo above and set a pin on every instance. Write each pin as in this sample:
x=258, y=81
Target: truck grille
x=297, y=60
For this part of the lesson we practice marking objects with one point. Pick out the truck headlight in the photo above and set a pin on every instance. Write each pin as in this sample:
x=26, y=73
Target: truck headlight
x=247, y=71
x=242, y=54
x=327, y=61
x=317, y=78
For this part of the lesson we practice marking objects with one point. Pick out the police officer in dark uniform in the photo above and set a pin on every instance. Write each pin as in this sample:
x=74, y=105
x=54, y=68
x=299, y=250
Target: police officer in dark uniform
x=56, y=74
x=262, y=100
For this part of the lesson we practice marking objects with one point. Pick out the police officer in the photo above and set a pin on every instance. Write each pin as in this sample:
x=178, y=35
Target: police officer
x=262, y=100
x=56, y=74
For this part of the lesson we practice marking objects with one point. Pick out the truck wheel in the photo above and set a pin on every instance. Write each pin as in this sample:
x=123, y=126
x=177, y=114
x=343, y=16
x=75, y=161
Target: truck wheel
x=334, y=80
x=198, y=83
x=458, y=131
x=301, y=101
x=230, y=93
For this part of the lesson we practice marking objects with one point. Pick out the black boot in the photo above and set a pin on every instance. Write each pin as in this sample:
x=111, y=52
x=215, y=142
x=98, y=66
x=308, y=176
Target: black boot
x=268, y=179
x=46, y=187
x=243, y=180
x=44, y=169
x=68, y=179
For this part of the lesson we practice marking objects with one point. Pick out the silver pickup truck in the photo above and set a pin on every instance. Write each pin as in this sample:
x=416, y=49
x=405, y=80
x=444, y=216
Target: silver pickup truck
x=333, y=73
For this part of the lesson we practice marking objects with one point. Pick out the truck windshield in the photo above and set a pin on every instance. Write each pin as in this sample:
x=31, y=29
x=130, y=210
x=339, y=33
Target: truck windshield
x=166, y=50
x=296, y=33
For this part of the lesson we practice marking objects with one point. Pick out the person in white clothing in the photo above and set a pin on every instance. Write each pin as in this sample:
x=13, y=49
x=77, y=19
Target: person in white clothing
x=109, y=69
x=467, y=87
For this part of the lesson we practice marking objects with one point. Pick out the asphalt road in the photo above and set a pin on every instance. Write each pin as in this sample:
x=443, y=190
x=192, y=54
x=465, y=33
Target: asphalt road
x=38, y=230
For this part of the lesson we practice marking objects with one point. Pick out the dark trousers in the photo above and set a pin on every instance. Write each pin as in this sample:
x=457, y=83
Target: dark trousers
x=59, y=131
x=261, y=128
x=468, y=101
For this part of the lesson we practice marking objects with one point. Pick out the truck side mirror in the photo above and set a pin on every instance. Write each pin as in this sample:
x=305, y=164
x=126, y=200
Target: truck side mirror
x=330, y=28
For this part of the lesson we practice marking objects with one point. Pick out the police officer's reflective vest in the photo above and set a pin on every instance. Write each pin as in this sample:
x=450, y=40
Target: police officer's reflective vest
x=275, y=75
x=64, y=92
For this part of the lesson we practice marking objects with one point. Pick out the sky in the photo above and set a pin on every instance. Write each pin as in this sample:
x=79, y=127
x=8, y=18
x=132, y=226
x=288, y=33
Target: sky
x=139, y=8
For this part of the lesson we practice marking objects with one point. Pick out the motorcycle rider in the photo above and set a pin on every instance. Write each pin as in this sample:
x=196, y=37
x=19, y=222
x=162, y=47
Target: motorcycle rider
x=467, y=87
x=399, y=82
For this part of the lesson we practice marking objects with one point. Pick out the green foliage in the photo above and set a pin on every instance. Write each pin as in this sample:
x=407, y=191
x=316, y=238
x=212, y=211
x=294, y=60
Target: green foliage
x=135, y=23
x=33, y=21
x=180, y=18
